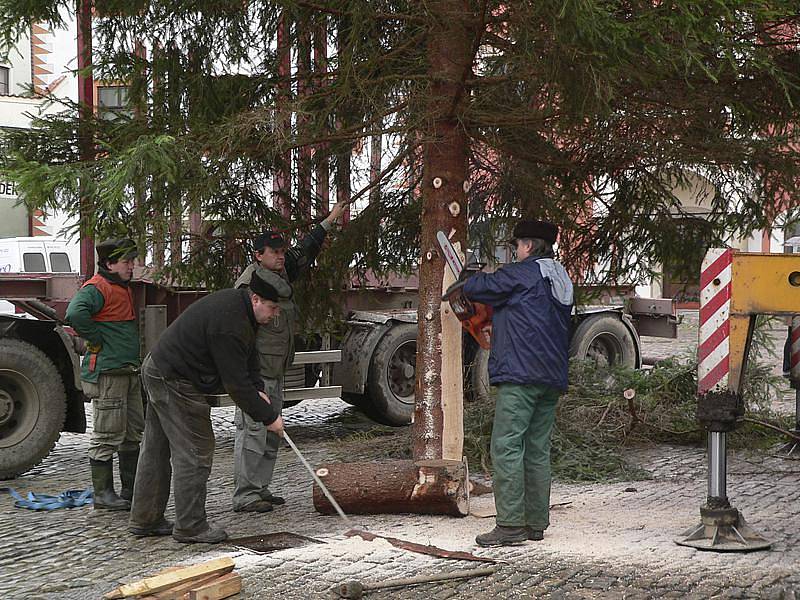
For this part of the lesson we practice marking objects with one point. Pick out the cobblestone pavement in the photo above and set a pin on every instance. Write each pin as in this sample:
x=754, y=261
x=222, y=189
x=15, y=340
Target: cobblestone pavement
x=606, y=540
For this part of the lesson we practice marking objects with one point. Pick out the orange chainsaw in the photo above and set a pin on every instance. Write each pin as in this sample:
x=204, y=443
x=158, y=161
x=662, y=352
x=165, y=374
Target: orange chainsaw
x=474, y=316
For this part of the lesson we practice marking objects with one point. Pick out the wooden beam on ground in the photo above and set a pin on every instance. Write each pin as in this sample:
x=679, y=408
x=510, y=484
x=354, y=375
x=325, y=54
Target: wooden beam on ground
x=428, y=487
x=157, y=583
x=221, y=587
x=181, y=591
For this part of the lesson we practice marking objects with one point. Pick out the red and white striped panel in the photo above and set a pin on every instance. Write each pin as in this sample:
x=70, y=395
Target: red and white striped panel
x=713, y=348
x=794, y=360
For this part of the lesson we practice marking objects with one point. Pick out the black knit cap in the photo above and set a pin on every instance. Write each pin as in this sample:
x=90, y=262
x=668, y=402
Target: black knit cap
x=115, y=249
x=270, y=238
x=536, y=229
x=262, y=288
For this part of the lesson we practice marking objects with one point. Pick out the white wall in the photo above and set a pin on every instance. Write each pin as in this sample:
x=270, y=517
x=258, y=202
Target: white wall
x=19, y=63
x=18, y=110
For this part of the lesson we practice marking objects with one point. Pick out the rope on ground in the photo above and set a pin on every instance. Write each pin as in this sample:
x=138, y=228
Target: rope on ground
x=68, y=499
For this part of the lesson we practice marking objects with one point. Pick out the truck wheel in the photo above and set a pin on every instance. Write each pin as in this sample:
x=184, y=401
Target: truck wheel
x=604, y=340
x=360, y=401
x=32, y=406
x=392, y=376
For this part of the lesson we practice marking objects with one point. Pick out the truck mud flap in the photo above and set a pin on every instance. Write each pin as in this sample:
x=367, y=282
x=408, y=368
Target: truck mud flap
x=357, y=349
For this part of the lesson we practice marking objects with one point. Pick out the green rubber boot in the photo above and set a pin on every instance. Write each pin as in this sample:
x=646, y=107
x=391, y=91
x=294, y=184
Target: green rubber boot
x=128, y=460
x=103, y=481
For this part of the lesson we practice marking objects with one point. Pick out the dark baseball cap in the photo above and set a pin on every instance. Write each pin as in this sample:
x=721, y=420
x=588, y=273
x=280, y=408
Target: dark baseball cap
x=543, y=230
x=270, y=238
x=117, y=249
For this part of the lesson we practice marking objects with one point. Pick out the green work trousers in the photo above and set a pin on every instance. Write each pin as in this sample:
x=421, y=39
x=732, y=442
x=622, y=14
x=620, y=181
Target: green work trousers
x=117, y=414
x=523, y=421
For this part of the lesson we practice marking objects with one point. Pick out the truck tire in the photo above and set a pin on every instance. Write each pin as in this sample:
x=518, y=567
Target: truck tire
x=32, y=406
x=360, y=401
x=604, y=340
x=392, y=376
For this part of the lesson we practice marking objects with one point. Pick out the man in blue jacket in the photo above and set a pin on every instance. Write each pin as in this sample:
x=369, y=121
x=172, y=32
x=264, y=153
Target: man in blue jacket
x=532, y=301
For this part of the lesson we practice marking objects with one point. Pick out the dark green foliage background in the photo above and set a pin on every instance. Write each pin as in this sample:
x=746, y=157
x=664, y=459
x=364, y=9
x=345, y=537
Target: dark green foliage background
x=591, y=114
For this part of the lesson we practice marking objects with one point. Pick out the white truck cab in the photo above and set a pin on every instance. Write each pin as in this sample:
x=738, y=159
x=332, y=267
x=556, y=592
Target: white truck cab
x=41, y=254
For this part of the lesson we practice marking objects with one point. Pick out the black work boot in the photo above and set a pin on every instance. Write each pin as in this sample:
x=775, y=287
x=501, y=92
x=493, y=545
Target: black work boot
x=128, y=459
x=209, y=536
x=103, y=482
x=502, y=536
x=255, y=506
x=272, y=498
x=535, y=535
x=162, y=527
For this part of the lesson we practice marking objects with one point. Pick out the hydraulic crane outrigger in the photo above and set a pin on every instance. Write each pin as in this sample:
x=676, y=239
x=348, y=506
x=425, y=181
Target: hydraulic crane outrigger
x=735, y=288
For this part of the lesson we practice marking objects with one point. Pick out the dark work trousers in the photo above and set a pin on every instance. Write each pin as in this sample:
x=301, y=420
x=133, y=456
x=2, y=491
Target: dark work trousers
x=177, y=427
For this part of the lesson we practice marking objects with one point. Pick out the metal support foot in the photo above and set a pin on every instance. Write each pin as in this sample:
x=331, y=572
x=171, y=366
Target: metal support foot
x=723, y=530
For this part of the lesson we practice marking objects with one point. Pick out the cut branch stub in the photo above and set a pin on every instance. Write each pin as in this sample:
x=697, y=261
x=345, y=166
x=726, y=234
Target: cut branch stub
x=429, y=487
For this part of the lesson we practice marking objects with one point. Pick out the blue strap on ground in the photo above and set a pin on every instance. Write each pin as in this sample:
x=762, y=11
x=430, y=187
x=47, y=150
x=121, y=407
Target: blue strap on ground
x=68, y=499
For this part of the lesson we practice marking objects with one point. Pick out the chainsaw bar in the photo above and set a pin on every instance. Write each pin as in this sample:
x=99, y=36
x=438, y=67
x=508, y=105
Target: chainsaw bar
x=450, y=254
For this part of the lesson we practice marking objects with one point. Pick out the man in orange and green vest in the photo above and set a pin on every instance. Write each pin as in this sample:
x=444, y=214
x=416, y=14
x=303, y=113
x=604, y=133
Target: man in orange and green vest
x=102, y=313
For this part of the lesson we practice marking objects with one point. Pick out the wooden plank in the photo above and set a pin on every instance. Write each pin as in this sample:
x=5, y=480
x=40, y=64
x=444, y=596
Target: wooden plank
x=482, y=507
x=181, y=591
x=157, y=583
x=452, y=374
x=221, y=587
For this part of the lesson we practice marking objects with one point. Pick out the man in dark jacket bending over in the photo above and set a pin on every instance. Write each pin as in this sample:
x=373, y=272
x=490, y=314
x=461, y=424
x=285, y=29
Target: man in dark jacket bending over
x=532, y=301
x=211, y=347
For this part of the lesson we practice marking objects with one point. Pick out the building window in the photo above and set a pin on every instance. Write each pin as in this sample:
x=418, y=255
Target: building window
x=112, y=102
x=4, y=81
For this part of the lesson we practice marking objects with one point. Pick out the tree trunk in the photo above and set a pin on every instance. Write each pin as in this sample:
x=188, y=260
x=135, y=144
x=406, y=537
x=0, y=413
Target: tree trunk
x=438, y=424
x=86, y=144
x=322, y=167
x=282, y=178
x=342, y=174
x=304, y=154
x=433, y=487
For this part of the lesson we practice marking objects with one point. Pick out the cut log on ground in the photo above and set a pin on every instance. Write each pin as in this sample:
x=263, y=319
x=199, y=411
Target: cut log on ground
x=428, y=487
x=158, y=583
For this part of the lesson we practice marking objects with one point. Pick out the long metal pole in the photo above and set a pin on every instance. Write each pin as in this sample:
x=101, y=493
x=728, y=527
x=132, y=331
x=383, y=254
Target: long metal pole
x=717, y=463
x=317, y=480
x=466, y=574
